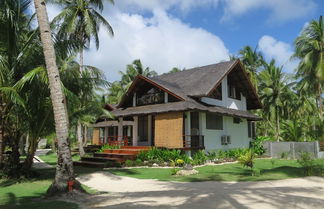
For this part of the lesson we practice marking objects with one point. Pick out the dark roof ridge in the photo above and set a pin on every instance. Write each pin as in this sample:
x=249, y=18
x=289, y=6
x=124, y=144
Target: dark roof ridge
x=194, y=68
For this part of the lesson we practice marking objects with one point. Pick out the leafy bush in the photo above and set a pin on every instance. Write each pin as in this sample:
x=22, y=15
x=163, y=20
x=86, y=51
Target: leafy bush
x=199, y=158
x=174, y=171
x=129, y=163
x=236, y=152
x=212, y=155
x=257, y=145
x=162, y=155
x=232, y=153
x=247, y=159
x=107, y=146
x=138, y=162
x=307, y=162
x=180, y=162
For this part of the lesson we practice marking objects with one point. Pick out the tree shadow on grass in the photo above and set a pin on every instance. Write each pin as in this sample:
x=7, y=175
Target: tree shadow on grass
x=45, y=174
x=10, y=201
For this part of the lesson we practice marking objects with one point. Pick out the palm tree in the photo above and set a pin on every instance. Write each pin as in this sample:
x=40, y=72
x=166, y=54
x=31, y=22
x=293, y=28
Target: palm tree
x=81, y=21
x=15, y=39
x=273, y=92
x=309, y=48
x=133, y=70
x=81, y=88
x=64, y=168
x=252, y=60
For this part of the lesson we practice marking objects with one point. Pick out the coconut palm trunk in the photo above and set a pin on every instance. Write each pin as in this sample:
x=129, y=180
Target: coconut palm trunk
x=79, y=125
x=80, y=139
x=64, y=168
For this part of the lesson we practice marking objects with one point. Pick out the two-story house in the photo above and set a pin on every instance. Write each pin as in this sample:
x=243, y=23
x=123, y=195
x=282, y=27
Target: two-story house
x=200, y=108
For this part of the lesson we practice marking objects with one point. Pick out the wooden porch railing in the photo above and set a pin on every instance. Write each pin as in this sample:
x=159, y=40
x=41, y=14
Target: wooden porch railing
x=193, y=142
x=116, y=140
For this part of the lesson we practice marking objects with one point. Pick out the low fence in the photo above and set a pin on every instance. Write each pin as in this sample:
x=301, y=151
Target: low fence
x=292, y=149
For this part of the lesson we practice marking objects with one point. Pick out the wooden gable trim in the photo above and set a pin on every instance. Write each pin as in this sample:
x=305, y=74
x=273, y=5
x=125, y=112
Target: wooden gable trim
x=251, y=85
x=238, y=62
x=220, y=80
x=140, y=77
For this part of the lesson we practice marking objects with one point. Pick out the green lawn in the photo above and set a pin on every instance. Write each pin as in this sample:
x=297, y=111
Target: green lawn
x=52, y=158
x=282, y=169
x=27, y=193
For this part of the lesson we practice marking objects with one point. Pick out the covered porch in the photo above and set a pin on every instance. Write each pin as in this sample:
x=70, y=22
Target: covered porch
x=174, y=130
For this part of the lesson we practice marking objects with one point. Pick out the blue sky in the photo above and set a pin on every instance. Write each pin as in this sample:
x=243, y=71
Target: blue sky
x=191, y=33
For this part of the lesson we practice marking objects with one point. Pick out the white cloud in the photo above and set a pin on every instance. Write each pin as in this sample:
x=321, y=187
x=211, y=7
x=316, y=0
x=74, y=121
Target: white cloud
x=278, y=50
x=161, y=42
x=183, y=5
x=280, y=10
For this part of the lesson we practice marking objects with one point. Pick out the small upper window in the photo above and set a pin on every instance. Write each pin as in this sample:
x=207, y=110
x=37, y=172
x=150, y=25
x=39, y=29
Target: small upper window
x=214, y=121
x=233, y=92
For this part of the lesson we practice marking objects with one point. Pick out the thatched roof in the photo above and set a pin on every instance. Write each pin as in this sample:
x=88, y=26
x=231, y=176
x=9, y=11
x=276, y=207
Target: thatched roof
x=188, y=85
x=182, y=106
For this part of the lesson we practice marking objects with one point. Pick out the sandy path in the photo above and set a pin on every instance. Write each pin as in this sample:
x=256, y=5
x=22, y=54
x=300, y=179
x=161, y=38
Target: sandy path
x=126, y=192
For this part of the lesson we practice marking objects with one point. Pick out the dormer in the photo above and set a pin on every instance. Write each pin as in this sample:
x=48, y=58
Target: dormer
x=146, y=92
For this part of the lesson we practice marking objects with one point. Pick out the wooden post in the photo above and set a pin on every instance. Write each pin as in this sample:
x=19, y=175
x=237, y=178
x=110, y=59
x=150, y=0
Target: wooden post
x=120, y=129
x=135, y=131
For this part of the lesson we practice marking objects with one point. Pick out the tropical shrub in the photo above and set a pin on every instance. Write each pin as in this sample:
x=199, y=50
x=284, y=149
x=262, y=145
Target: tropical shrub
x=129, y=163
x=107, y=146
x=247, y=159
x=307, y=162
x=174, y=171
x=138, y=162
x=162, y=155
x=199, y=158
x=180, y=162
x=257, y=145
x=212, y=155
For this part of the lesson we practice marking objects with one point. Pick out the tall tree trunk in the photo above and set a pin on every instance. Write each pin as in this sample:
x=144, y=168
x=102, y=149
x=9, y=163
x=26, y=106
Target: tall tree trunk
x=32, y=146
x=277, y=125
x=320, y=102
x=79, y=126
x=80, y=139
x=85, y=136
x=64, y=168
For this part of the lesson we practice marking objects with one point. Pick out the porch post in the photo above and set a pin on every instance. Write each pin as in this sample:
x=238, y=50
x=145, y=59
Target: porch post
x=187, y=130
x=135, y=134
x=120, y=129
x=105, y=141
x=149, y=125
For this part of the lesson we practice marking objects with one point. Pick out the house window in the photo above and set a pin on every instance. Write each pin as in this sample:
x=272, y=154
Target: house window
x=214, y=121
x=251, y=129
x=236, y=120
x=233, y=92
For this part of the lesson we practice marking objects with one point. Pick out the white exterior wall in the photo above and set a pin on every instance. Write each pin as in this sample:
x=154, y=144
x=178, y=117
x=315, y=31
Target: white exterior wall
x=238, y=133
x=226, y=101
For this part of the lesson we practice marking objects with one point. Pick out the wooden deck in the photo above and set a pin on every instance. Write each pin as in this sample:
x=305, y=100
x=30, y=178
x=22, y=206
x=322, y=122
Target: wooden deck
x=112, y=156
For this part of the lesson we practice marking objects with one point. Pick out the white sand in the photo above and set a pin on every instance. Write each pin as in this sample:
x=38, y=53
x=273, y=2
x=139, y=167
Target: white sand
x=126, y=192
